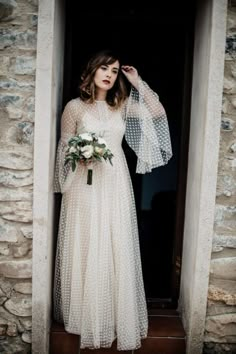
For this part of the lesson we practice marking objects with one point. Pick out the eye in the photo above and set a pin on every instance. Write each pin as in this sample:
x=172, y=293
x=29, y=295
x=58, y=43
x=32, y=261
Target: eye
x=104, y=67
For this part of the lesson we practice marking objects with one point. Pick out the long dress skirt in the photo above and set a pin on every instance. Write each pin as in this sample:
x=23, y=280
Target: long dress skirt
x=99, y=291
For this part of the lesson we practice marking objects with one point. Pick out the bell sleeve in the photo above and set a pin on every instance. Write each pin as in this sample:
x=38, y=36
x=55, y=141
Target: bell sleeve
x=147, y=129
x=63, y=175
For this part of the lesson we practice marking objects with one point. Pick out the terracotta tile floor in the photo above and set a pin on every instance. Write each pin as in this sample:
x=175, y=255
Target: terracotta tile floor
x=166, y=336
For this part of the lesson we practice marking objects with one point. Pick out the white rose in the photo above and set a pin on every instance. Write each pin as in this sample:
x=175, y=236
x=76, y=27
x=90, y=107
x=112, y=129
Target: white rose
x=99, y=150
x=72, y=149
x=102, y=141
x=86, y=136
x=87, y=151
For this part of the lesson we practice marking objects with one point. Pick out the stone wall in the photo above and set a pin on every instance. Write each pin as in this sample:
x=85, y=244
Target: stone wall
x=18, y=31
x=220, y=329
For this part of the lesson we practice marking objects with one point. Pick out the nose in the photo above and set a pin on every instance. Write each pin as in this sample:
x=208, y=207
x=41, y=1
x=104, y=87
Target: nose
x=109, y=74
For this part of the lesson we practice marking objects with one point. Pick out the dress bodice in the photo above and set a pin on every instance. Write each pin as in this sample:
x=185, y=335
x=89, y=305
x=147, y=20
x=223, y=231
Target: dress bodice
x=105, y=122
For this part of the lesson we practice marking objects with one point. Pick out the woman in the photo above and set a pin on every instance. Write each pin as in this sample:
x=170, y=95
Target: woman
x=99, y=292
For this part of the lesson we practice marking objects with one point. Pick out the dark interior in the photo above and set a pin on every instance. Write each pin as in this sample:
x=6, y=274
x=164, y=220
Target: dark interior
x=158, y=40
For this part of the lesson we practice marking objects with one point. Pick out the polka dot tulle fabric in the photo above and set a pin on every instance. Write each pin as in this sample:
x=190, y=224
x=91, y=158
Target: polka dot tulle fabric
x=98, y=284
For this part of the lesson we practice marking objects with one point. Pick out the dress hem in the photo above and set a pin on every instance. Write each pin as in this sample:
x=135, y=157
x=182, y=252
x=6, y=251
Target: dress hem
x=142, y=337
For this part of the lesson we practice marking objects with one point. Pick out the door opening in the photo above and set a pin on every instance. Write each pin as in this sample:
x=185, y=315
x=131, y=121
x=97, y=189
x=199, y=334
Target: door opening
x=159, y=43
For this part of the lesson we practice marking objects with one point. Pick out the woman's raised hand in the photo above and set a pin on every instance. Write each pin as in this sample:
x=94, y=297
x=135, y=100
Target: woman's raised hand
x=131, y=74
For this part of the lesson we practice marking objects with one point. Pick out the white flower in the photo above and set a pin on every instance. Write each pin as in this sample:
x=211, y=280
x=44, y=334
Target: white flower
x=87, y=151
x=100, y=151
x=102, y=141
x=72, y=149
x=86, y=136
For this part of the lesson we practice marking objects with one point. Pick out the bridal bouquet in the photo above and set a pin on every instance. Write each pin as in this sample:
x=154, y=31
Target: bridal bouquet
x=87, y=148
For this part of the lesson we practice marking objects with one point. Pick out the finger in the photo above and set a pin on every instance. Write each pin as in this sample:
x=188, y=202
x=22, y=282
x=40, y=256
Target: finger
x=126, y=68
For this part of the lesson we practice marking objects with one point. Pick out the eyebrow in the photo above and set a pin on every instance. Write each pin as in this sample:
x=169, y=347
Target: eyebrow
x=115, y=67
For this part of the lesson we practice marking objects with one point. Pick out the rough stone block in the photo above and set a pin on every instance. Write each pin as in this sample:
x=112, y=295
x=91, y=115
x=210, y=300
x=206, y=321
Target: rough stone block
x=21, y=268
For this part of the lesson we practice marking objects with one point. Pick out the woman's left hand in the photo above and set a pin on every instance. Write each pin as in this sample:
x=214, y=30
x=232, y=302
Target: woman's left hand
x=131, y=74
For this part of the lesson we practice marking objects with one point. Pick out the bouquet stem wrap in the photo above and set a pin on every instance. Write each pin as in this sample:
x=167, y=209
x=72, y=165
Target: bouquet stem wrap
x=90, y=176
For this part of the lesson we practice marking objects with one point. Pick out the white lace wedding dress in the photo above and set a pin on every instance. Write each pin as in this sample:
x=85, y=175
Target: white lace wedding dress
x=98, y=289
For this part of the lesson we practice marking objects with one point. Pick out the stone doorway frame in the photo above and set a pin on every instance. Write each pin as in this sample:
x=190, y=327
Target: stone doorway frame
x=206, y=106
x=208, y=70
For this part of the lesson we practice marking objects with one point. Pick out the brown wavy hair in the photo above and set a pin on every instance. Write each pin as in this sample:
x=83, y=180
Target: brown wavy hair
x=117, y=94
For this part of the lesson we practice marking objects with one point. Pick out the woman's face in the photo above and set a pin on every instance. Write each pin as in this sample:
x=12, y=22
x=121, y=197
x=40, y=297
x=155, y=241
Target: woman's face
x=106, y=76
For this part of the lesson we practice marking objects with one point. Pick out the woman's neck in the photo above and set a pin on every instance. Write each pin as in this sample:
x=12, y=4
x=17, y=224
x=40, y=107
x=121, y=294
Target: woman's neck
x=101, y=95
